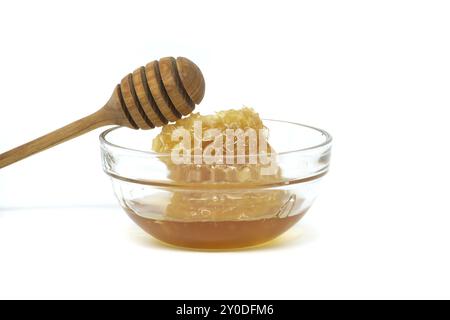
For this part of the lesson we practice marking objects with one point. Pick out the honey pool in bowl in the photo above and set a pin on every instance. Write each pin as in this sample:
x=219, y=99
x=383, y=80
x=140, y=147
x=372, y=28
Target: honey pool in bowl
x=216, y=234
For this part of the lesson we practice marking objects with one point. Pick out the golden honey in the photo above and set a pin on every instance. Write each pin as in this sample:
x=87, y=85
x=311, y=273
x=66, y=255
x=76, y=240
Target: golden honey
x=218, y=218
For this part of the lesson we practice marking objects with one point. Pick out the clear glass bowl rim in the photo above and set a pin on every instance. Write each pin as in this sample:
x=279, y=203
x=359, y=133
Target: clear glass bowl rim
x=327, y=142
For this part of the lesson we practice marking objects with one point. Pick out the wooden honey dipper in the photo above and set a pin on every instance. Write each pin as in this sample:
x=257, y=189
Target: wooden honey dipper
x=150, y=97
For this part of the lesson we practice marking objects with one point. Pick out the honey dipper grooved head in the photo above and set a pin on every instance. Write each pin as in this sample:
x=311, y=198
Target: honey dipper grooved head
x=160, y=92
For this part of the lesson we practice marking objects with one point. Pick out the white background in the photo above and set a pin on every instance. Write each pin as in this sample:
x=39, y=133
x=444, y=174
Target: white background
x=375, y=74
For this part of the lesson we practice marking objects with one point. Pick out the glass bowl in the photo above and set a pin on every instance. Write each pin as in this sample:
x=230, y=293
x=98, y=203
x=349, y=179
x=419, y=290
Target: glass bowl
x=216, y=206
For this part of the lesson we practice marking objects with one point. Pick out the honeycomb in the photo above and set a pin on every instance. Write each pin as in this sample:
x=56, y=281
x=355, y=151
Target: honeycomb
x=220, y=206
x=216, y=204
x=231, y=119
x=244, y=119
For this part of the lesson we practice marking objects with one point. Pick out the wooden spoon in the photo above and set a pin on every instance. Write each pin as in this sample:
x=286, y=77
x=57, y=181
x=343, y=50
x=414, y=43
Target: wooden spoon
x=150, y=97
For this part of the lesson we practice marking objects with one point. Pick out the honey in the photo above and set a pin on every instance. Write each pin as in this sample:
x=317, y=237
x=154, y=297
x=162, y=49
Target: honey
x=219, y=218
x=216, y=234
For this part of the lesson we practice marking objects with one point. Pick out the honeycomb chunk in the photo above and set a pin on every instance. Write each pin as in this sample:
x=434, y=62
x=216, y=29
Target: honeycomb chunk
x=216, y=204
x=245, y=118
x=220, y=206
x=231, y=119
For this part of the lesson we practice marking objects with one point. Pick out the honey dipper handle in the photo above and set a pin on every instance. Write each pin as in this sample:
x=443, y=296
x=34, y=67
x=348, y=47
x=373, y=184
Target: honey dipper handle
x=73, y=130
